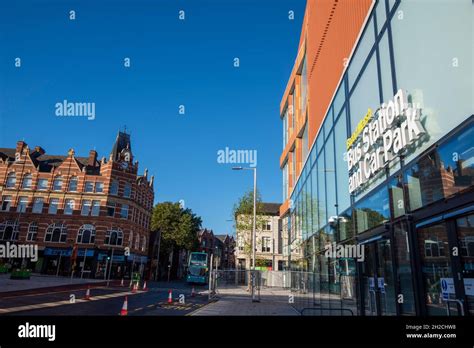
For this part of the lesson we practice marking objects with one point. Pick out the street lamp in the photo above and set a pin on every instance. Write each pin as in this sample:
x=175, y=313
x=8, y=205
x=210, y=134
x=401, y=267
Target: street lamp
x=254, y=210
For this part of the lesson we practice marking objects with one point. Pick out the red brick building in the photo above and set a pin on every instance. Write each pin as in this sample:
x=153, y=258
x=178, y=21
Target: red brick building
x=82, y=206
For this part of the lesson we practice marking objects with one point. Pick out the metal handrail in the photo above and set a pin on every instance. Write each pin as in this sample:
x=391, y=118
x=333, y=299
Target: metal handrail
x=459, y=302
x=326, y=309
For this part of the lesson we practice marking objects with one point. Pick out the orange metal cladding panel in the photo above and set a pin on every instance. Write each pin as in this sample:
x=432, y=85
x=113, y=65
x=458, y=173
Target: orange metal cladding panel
x=333, y=28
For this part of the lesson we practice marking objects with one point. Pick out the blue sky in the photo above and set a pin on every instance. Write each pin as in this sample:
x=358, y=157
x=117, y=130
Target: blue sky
x=173, y=63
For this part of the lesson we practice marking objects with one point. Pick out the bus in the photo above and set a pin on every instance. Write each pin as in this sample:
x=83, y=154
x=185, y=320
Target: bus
x=197, y=268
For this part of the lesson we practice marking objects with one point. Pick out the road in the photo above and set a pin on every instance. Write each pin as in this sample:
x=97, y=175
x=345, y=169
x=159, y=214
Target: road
x=106, y=301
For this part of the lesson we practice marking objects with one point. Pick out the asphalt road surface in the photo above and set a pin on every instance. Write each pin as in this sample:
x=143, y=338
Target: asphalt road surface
x=106, y=301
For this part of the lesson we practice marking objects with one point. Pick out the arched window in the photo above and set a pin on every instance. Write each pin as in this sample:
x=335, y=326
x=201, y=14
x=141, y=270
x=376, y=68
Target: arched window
x=27, y=181
x=143, y=243
x=56, y=233
x=9, y=230
x=114, y=237
x=86, y=234
x=58, y=183
x=32, y=231
x=11, y=180
x=73, y=184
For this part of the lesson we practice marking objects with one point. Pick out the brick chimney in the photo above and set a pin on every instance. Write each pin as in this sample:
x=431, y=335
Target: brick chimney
x=92, y=158
x=20, y=145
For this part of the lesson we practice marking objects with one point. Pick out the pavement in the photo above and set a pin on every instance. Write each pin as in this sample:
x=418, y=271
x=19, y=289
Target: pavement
x=238, y=302
x=38, y=281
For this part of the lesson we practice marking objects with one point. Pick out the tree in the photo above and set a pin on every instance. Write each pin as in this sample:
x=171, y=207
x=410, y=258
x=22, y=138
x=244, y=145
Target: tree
x=178, y=227
x=243, y=219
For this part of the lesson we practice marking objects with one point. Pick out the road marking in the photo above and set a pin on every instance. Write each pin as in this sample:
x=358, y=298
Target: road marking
x=61, y=303
x=51, y=292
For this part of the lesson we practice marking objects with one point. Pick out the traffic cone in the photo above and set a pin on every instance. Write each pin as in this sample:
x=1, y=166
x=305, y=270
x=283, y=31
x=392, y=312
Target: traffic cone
x=144, y=287
x=88, y=294
x=124, y=310
x=121, y=283
x=192, y=292
x=170, y=297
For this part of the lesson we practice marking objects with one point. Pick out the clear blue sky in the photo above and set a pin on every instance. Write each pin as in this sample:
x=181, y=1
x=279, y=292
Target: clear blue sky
x=172, y=63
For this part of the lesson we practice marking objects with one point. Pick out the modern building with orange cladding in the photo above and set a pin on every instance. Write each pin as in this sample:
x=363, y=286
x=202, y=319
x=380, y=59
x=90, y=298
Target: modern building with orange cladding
x=378, y=158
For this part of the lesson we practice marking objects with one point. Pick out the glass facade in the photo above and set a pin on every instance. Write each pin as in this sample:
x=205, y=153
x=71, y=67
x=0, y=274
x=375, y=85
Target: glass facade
x=434, y=69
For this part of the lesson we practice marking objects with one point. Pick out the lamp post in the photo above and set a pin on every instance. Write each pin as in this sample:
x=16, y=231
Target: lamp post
x=254, y=210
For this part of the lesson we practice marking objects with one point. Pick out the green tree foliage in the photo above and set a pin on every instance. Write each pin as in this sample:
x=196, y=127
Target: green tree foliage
x=178, y=226
x=243, y=218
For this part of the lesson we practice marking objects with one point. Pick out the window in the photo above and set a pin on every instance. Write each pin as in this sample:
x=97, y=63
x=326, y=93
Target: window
x=114, y=186
x=304, y=86
x=373, y=210
x=9, y=230
x=22, y=204
x=42, y=184
x=443, y=172
x=240, y=242
x=114, y=237
x=6, y=203
x=86, y=234
x=137, y=241
x=32, y=231
x=304, y=144
x=285, y=127
x=58, y=183
x=73, y=184
x=27, y=181
x=342, y=176
x=56, y=233
x=111, y=209
x=38, y=205
x=11, y=180
x=99, y=187
x=143, y=243
x=285, y=182
x=266, y=242
x=127, y=190
x=86, y=207
x=89, y=186
x=124, y=211
x=439, y=113
x=267, y=226
x=95, y=208
x=68, y=206
x=53, y=205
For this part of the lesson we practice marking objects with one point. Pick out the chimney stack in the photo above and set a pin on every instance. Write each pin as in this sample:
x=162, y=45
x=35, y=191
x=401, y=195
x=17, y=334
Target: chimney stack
x=92, y=158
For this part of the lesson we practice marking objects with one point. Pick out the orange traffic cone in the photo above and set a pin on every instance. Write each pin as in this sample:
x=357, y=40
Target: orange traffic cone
x=88, y=294
x=170, y=297
x=192, y=292
x=144, y=287
x=121, y=283
x=124, y=310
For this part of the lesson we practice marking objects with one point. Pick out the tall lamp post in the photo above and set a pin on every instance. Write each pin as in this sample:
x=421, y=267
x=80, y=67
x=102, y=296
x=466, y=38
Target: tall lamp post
x=254, y=244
